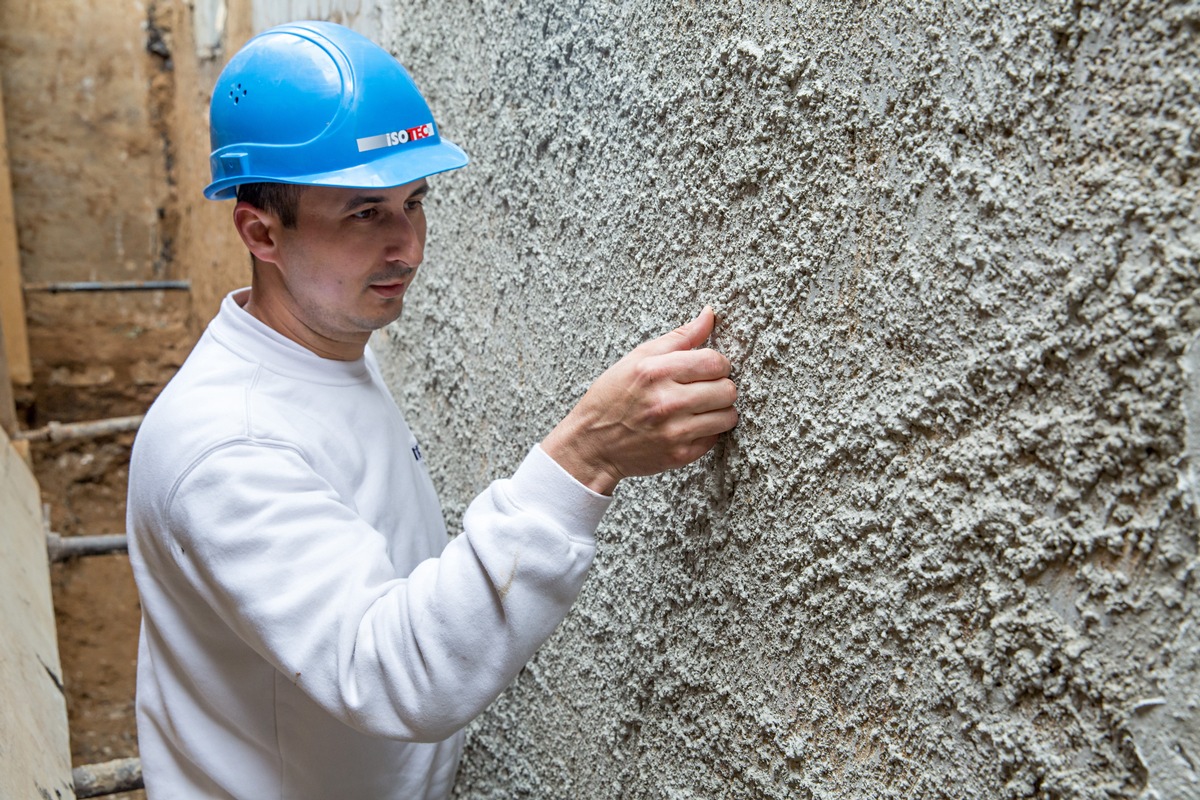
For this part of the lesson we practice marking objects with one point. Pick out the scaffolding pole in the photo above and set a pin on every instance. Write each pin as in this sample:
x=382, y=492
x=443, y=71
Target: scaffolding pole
x=60, y=548
x=109, y=777
x=107, y=286
x=64, y=431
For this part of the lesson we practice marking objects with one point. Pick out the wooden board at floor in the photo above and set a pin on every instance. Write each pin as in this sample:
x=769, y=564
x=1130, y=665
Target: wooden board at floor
x=35, y=760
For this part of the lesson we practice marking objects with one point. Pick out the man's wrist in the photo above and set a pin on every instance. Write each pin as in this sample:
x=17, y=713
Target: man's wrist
x=568, y=453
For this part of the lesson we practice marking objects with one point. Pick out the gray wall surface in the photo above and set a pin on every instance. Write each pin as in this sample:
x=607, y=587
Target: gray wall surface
x=951, y=550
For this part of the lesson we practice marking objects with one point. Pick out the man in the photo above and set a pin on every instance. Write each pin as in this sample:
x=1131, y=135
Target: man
x=309, y=631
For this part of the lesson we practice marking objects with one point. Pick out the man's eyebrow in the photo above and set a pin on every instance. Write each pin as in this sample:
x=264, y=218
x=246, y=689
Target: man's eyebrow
x=361, y=200
x=367, y=199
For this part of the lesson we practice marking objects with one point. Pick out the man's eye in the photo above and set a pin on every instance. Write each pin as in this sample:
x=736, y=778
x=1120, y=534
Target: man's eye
x=366, y=213
x=412, y=205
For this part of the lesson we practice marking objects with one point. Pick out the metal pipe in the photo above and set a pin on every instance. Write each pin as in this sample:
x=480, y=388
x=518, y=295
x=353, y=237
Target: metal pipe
x=61, y=432
x=109, y=777
x=102, y=286
x=60, y=548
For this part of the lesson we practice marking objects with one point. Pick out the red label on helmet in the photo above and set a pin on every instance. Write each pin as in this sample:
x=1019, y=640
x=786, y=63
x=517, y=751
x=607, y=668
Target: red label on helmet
x=393, y=138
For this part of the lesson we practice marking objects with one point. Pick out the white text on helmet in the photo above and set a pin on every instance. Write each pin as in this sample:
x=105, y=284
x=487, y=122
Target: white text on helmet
x=393, y=138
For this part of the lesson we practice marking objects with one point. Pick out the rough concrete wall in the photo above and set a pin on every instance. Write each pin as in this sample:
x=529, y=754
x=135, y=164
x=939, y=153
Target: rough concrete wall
x=951, y=550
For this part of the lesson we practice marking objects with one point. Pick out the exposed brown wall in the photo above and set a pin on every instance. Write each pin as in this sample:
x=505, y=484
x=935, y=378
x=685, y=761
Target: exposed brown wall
x=107, y=115
x=87, y=164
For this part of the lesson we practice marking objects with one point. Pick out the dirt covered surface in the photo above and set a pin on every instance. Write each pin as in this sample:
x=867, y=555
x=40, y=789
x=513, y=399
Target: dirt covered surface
x=97, y=356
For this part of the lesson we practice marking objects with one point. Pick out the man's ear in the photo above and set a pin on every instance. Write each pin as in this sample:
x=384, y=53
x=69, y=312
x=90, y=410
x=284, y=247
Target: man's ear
x=259, y=231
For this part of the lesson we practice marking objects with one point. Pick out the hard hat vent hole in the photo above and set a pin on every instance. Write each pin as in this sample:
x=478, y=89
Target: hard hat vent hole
x=236, y=94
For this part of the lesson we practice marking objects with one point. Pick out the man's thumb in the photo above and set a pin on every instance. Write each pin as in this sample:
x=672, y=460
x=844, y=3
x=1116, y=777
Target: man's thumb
x=687, y=336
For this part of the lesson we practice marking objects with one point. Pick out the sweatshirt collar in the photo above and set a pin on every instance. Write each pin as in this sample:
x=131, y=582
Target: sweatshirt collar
x=254, y=340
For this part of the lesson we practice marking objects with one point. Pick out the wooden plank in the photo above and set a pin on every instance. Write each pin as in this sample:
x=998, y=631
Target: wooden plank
x=35, y=760
x=12, y=297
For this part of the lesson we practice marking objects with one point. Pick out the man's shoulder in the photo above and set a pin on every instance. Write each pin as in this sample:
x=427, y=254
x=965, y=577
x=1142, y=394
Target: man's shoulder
x=218, y=397
x=206, y=386
x=200, y=406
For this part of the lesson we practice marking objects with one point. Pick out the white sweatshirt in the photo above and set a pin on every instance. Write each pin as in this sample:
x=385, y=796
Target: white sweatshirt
x=307, y=632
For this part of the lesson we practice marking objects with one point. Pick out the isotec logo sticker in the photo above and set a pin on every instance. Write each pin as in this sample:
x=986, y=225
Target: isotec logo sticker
x=393, y=138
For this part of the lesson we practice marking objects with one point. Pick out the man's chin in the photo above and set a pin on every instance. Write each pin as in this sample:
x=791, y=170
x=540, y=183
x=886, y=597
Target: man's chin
x=390, y=315
x=378, y=320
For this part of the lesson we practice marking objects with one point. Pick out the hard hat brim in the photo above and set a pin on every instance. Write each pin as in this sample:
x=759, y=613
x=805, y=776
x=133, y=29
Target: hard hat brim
x=410, y=164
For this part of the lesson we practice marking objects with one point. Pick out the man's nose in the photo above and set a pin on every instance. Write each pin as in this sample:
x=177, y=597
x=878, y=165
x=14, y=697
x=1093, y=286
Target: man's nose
x=406, y=242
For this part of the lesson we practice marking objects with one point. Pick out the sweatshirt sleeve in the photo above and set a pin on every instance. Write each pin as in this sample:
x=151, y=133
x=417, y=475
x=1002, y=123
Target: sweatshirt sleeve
x=310, y=586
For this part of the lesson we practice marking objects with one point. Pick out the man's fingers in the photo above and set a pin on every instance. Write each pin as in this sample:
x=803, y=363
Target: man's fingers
x=687, y=366
x=706, y=429
x=700, y=397
x=685, y=337
x=714, y=423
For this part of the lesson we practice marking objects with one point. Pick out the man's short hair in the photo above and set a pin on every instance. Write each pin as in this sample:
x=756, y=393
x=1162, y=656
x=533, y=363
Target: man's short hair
x=280, y=199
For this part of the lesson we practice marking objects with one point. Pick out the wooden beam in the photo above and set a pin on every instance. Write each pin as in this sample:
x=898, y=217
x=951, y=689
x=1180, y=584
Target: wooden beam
x=8, y=410
x=12, y=298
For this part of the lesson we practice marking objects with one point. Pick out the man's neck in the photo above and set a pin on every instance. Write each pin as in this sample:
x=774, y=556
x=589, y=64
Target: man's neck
x=276, y=316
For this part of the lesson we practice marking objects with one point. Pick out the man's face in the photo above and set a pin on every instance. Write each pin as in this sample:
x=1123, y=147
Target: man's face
x=352, y=255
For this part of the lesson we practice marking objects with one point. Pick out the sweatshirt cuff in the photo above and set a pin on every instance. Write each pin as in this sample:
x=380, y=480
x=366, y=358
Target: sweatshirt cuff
x=540, y=484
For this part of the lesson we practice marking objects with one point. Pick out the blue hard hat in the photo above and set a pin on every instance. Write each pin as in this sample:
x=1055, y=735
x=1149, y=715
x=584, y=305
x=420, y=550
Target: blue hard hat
x=317, y=104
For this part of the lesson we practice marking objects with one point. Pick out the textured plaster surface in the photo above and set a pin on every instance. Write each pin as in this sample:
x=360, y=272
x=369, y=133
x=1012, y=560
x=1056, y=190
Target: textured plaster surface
x=951, y=550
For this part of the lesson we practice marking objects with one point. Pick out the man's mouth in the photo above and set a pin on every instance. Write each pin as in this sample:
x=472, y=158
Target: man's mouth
x=392, y=283
x=389, y=290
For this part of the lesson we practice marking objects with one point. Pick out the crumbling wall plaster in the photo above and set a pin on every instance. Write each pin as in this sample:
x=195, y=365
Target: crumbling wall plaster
x=951, y=550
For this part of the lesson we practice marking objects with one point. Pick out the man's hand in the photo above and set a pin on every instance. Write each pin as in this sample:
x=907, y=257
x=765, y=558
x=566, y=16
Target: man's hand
x=658, y=408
